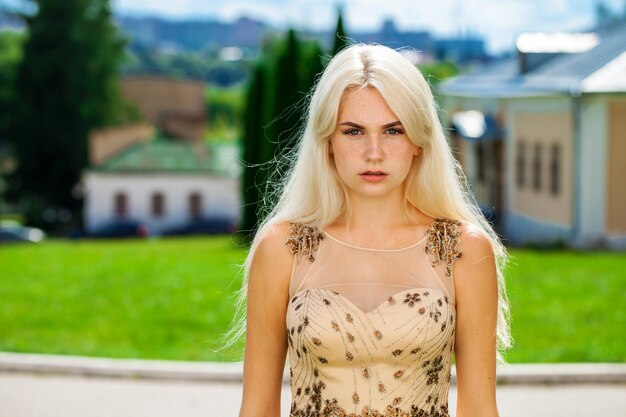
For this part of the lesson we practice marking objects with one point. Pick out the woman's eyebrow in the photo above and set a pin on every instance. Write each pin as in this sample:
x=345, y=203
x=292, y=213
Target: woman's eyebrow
x=397, y=122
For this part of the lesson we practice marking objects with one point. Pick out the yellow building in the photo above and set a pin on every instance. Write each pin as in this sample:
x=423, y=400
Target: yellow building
x=542, y=138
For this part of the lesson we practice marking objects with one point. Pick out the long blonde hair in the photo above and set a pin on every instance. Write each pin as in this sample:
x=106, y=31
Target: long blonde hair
x=312, y=193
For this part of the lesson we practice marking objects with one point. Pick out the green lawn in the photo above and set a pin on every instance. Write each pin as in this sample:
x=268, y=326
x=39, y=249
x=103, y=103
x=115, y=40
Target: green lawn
x=169, y=298
x=567, y=306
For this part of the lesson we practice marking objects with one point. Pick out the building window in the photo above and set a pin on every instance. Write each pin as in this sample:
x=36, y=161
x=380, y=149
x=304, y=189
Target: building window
x=195, y=205
x=158, y=204
x=555, y=169
x=537, y=167
x=480, y=156
x=520, y=164
x=120, y=203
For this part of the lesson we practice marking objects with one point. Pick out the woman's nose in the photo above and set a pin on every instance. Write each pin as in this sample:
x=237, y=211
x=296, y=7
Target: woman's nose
x=374, y=147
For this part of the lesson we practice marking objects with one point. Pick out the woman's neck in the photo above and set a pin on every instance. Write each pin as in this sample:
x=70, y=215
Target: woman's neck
x=372, y=216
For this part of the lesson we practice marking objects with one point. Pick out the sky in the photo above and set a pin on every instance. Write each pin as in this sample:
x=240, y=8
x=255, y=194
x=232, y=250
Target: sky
x=498, y=21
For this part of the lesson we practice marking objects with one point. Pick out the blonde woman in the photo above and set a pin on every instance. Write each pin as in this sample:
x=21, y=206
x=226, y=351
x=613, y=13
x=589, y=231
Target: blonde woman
x=375, y=266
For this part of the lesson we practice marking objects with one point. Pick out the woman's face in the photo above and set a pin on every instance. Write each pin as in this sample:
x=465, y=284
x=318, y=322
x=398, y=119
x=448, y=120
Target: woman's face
x=371, y=150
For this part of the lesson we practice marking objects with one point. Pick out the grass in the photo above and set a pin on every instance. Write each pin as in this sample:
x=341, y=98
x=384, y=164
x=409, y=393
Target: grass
x=170, y=298
x=138, y=299
x=567, y=306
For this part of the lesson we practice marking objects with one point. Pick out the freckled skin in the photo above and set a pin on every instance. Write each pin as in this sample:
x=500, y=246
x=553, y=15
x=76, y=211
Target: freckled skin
x=371, y=147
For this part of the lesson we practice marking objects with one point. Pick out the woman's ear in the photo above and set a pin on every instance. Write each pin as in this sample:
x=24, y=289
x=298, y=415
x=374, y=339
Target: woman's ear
x=330, y=148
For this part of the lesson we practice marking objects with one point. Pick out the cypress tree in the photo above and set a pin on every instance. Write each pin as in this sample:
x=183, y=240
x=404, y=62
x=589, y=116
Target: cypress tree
x=340, y=39
x=67, y=85
x=274, y=115
x=252, y=140
x=312, y=65
x=285, y=95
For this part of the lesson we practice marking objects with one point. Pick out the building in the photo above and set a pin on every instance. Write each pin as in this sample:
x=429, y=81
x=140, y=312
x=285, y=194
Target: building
x=175, y=107
x=161, y=182
x=542, y=138
x=160, y=172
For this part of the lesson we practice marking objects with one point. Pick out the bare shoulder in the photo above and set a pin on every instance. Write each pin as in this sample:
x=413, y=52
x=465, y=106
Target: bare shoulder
x=270, y=269
x=272, y=245
x=475, y=271
x=474, y=243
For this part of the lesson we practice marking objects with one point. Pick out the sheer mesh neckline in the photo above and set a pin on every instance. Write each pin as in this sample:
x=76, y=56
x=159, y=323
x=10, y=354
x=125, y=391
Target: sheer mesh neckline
x=412, y=245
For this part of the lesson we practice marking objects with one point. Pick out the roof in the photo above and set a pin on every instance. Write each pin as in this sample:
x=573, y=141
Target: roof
x=569, y=73
x=163, y=155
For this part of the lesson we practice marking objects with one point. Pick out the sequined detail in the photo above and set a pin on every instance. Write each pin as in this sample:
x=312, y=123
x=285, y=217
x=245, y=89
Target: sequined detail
x=304, y=240
x=383, y=352
x=427, y=364
x=443, y=240
x=355, y=398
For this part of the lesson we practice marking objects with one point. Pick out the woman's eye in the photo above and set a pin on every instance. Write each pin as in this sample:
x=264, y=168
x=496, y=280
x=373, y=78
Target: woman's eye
x=352, y=132
x=395, y=131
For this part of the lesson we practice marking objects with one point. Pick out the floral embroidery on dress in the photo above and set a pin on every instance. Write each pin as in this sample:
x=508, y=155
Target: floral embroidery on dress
x=317, y=406
x=391, y=362
x=304, y=239
x=433, y=370
x=443, y=241
x=431, y=365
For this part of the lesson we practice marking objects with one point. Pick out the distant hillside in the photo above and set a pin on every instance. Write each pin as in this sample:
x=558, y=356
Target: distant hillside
x=193, y=35
x=247, y=33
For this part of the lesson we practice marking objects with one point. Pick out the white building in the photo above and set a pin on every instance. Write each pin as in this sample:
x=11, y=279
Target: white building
x=163, y=183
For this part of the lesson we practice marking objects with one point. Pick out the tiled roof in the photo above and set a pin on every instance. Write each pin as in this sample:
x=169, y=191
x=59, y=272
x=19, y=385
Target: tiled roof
x=170, y=156
x=564, y=73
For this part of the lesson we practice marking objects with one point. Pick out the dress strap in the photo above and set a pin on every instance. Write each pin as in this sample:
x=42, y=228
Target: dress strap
x=443, y=241
x=304, y=239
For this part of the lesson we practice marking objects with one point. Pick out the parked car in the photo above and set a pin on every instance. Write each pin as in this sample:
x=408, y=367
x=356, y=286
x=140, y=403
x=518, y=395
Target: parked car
x=12, y=231
x=117, y=229
x=204, y=226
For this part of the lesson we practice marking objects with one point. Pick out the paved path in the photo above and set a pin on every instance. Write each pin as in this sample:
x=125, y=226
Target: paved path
x=36, y=395
x=64, y=386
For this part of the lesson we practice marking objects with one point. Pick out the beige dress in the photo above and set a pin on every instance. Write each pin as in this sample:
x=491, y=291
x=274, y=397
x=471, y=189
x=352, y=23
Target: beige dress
x=371, y=331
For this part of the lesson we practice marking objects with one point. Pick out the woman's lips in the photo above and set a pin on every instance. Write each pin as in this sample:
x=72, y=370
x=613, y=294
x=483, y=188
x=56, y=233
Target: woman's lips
x=373, y=176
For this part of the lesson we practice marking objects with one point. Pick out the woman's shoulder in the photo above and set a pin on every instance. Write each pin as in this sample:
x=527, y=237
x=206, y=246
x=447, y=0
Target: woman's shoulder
x=270, y=266
x=451, y=240
x=474, y=244
x=272, y=238
x=303, y=240
x=473, y=238
x=269, y=254
x=285, y=239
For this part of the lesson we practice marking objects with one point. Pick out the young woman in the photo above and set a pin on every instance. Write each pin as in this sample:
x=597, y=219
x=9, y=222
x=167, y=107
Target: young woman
x=376, y=265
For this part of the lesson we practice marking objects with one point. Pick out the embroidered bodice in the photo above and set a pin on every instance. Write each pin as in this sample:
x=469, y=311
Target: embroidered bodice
x=371, y=331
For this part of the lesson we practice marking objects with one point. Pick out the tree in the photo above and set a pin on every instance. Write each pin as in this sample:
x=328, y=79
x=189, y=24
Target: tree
x=10, y=55
x=312, y=64
x=252, y=139
x=284, y=95
x=274, y=113
x=67, y=85
x=341, y=38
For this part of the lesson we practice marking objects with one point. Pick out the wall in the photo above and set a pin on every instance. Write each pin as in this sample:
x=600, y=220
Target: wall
x=593, y=161
x=544, y=129
x=220, y=197
x=616, y=168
